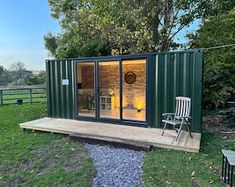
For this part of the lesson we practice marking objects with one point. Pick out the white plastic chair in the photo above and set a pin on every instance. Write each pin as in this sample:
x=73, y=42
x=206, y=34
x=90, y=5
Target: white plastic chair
x=180, y=117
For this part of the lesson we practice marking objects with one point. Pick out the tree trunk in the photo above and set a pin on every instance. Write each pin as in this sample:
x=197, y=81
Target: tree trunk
x=167, y=14
x=155, y=29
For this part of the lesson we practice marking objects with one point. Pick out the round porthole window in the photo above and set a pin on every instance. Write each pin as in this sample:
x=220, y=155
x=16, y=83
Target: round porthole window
x=130, y=77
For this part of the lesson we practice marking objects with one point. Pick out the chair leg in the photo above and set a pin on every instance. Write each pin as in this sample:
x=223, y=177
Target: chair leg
x=231, y=182
x=189, y=130
x=229, y=174
x=179, y=131
x=175, y=129
x=225, y=170
x=164, y=129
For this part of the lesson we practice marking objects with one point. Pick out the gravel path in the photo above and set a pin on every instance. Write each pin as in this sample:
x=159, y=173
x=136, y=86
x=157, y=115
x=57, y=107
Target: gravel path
x=116, y=167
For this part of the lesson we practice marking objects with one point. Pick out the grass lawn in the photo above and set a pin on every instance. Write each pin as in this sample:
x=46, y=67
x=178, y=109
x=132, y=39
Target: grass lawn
x=39, y=159
x=174, y=168
x=42, y=159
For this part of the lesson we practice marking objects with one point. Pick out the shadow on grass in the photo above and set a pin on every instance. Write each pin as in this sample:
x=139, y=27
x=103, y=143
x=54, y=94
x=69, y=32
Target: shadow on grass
x=164, y=167
x=39, y=159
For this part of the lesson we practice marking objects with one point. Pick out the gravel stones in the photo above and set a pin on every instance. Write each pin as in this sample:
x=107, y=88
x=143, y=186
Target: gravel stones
x=116, y=167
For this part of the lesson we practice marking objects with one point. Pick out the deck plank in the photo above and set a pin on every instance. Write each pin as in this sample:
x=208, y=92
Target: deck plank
x=150, y=136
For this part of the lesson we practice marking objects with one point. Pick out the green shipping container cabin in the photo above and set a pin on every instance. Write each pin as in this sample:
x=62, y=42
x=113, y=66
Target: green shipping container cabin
x=127, y=89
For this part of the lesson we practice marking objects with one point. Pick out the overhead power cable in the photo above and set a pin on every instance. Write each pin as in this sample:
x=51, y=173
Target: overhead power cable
x=218, y=47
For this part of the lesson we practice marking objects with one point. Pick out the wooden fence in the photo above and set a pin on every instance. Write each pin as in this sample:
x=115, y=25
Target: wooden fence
x=22, y=95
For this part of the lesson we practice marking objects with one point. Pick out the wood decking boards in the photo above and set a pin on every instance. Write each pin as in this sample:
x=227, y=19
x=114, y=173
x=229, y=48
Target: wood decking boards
x=117, y=133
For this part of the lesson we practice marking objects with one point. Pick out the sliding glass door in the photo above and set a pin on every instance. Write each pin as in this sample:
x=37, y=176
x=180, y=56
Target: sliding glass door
x=112, y=90
x=134, y=90
x=109, y=99
x=86, y=89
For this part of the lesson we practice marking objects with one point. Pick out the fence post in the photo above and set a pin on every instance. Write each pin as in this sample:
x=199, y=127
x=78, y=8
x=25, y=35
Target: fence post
x=1, y=98
x=30, y=96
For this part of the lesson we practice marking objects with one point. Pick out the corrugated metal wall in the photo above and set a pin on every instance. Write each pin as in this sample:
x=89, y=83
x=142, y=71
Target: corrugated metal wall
x=178, y=74
x=170, y=74
x=60, y=97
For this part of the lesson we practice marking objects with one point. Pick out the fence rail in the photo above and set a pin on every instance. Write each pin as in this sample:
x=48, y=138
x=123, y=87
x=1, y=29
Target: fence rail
x=22, y=95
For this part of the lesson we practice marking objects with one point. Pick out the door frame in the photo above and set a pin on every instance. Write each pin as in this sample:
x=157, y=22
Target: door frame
x=120, y=121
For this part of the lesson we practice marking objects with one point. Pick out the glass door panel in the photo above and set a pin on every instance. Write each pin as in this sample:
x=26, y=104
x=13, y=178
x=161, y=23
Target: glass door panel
x=86, y=89
x=134, y=89
x=109, y=99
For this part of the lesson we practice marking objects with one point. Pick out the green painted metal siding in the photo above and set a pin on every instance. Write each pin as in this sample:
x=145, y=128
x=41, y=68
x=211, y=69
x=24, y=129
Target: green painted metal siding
x=60, y=97
x=169, y=75
x=177, y=74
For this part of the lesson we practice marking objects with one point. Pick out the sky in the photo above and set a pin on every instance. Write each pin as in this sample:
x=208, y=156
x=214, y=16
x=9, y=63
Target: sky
x=193, y=27
x=23, y=23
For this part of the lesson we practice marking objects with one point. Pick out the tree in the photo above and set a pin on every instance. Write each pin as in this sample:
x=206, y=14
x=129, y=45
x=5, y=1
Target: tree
x=36, y=78
x=127, y=26
x=51, y=43
x=217, y=7
x=18, y=69
x=18, y=74
x=3, y=76
x=1, y=70
x=219, y=64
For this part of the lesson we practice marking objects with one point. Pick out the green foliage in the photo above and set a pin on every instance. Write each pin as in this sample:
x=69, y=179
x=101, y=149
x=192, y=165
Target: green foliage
x=217, y=7
x=164, y=167
x=37, y=78
x=51, y=43
x=94, y=48
x=3, y=76
x=219, y=64
x=128, y=26
x=19, y=75
x=1, y=70
x=39, y=159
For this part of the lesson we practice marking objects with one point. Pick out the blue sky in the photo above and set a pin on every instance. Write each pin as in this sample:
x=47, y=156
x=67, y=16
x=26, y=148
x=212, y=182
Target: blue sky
x=194, y=26
x=23, y=23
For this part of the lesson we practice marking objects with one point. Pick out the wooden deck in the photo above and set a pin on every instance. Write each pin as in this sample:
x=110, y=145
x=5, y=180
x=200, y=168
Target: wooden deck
x=117, y=133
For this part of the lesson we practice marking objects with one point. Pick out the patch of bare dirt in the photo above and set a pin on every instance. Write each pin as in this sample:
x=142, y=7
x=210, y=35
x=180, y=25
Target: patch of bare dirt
x=219, y=124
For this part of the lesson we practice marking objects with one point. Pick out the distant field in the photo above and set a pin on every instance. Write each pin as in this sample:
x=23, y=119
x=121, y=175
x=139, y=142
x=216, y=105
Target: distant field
x=28, y=95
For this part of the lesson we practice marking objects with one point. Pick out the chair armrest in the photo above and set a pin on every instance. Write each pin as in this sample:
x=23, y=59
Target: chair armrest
x=168, y=114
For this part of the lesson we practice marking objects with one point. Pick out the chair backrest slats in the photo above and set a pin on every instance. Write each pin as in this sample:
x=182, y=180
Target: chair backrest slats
x=177, y=108
x=183, y=107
